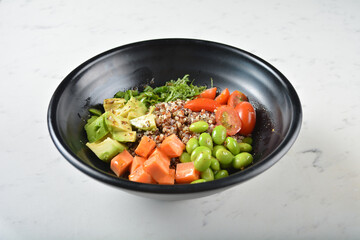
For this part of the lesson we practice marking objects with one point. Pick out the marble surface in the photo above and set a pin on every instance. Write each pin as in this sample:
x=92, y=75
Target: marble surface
x=311, y=193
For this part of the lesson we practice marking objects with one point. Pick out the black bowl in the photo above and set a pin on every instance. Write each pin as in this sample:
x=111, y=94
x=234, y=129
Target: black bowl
x=278, y=107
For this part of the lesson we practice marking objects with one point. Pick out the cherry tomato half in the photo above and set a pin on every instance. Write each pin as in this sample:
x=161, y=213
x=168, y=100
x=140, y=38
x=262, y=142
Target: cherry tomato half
x=248, y=117
x=223, y=97
x=209, y=93
x=229, y=118
x=235, y=98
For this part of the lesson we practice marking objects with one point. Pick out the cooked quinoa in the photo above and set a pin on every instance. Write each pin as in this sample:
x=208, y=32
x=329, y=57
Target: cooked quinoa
x=172, y=117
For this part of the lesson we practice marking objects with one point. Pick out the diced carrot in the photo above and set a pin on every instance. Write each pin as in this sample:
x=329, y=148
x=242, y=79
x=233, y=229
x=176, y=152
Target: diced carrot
x=140, y=175
x=172, y=146
x=121, y=162
x=168, y=179
x=158, y=153
x=186, y=173
x=137, y=162
x=156, y=167
x=145, y=146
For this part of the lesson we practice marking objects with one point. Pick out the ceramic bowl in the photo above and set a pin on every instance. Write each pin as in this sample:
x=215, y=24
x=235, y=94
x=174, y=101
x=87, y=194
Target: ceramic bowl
x=278, y=108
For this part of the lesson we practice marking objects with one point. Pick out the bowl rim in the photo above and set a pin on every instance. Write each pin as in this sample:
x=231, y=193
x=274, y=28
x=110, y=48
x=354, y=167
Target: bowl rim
x=229, y=181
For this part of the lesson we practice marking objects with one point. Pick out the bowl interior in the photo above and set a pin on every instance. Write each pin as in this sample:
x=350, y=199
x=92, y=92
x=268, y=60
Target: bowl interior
x=277, y=105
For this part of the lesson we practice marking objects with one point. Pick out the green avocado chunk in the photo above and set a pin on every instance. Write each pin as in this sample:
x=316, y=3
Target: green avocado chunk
x=132, y=109
x=113, y=103
x=90, y=120
x=117, y=123
x=145, y=122
x=97, y=129
x=106, y=149
x=124, y=136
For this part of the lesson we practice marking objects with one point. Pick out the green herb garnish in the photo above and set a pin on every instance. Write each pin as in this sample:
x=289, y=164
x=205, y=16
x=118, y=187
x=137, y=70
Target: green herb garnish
x=182, y=89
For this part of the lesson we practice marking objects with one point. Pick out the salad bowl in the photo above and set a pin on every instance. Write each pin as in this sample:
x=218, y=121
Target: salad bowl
x=278, y=108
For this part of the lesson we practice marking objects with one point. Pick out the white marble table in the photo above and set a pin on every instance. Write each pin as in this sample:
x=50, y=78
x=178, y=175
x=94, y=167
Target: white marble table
x=311, y=193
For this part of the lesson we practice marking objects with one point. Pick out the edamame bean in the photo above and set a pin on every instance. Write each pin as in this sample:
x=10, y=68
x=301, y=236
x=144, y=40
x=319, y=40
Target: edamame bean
x=245, y=147
x=215, y=164
x=224, y=156
x=221, y=174
x=242, y=160
x=199, y=150
x=219, y=134
x=216, y=148
x=226, y=166
x=232, y=145
x=191, y=145
x=208, y=175
x=206, y=140
x=198, y=181
x=199, y=127
x=202, y=161
x=185, y=157
x=248, y=140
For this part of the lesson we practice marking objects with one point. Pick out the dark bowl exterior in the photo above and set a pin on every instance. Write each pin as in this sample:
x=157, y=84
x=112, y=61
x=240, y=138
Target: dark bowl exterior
x=278, y=108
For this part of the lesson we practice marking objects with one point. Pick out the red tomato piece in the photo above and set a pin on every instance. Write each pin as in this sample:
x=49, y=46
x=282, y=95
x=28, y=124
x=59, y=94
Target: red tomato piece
x=247, y=115
x=229, y=118
x=223, y=97
x=198, y=104
x=235, y=98
x=209, y=93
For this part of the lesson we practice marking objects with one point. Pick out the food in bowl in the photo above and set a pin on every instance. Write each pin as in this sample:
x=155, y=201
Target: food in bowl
x=173, y=134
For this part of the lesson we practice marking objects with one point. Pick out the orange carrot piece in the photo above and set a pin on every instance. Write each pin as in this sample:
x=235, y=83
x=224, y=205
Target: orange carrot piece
x=121, y=162
x=156, y=167
x=157, y=153
x=137, y=162
x=145, y=146
x=172, y=146
x=186, y=173
x=141, y=176
x=168, y=179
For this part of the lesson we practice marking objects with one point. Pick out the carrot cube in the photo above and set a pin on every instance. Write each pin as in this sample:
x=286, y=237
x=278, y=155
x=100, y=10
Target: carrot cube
x=145, y=146
x=172, y=146
x=157, y=168
x=157, y=153
x=186, y=173
x=141, y=176
x=168, y=179
x=121, y=162
x=137, y=162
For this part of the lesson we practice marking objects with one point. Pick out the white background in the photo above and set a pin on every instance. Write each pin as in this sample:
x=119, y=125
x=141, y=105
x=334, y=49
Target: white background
x=311, y=193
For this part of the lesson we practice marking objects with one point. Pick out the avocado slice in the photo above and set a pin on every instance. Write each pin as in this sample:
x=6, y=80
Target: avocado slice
x=97, y=129
x=113, y=103
x=90, y=120
x=117, y=123
x=124, y=136
x=106, y=149
x=145, y=122
x=95, y=112
x=132, y=109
